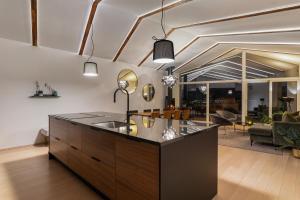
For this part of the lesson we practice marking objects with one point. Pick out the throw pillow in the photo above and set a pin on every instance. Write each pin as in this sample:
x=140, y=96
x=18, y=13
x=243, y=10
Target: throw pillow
x=297, y=118
x=289, y=117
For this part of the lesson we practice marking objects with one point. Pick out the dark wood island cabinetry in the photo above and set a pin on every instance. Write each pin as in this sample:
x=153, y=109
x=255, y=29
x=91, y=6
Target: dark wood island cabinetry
x=138, y=166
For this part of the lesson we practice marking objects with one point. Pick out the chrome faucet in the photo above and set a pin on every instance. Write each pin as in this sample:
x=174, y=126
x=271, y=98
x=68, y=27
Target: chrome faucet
x=127, y=93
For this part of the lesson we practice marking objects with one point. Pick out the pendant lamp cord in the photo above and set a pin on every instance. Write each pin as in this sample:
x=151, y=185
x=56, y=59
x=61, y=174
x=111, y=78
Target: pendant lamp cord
x=162, y=21
x=92, y=40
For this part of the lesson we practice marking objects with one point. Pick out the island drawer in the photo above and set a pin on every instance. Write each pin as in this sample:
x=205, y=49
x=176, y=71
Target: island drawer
x=75, y=160
x=125, y=192
x=59, y=149
x=137, y=168
x=138, y=180
x=99, y=174
x=100, y=145
x=58, y=128
x=141, y=154
x=74, y=135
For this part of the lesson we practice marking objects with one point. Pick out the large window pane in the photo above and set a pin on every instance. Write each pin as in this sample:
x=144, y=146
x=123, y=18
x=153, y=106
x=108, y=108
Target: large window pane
x=284, y=97
x=258, y=102
x=225, y=96
x=194, y=97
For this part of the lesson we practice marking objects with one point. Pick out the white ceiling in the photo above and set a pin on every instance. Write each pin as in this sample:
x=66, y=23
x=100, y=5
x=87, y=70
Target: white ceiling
x=220, y=49
x=61, y=25
x=204, y=10
x=289, y=58
x=15, y=20
x=231, y=67
x=243, y=42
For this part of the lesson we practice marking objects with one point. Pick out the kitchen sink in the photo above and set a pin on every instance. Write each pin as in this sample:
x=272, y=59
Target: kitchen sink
x=112, y=124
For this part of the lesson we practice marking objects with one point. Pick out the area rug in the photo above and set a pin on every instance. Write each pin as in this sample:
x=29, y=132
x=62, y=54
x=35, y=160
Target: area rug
x=241, y=139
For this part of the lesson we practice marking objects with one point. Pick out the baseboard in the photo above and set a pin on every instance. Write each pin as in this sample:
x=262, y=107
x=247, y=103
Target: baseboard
x=22, y=147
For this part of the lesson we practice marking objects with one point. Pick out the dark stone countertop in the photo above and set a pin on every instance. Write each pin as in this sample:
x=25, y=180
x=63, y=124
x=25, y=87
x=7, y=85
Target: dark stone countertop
x=145, y=129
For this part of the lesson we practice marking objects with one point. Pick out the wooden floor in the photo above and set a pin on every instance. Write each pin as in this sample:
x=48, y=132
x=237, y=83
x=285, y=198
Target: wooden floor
x=26, y=174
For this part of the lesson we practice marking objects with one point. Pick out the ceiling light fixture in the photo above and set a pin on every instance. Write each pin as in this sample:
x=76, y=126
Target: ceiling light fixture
x=90, y=69
x=169, y=80
x=123, y=84
x=163, y=49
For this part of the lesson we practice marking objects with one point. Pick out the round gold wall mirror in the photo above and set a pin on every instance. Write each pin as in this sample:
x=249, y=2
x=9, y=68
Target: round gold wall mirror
x=148, y=92
x=131, y=78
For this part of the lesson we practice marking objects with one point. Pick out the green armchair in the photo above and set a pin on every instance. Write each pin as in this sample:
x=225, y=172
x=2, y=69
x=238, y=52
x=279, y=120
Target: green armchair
x=286, y=134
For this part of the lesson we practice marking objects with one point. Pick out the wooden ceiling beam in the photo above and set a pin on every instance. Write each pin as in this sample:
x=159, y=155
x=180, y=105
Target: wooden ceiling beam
x=88, y=25
x=34, y=22
x=281, y=52
x=140, y=19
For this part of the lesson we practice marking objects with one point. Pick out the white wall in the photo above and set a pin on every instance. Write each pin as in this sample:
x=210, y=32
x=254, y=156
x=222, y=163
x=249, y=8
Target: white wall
x=21, y=65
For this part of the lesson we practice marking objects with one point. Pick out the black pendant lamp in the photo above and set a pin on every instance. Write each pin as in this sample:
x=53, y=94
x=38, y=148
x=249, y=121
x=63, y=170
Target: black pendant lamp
x=90, y=69
x=163, y=49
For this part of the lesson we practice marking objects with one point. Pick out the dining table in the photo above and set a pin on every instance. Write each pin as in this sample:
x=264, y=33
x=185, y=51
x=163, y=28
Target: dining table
x=149, y=114
x=146, y=114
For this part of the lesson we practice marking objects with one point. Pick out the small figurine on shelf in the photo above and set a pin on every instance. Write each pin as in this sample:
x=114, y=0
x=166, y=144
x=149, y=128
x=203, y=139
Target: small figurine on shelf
x=50, y=90
x=38, y=91
x=54, y=93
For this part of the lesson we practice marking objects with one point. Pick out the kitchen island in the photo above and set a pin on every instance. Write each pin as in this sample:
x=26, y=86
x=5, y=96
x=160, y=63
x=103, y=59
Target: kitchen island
x=147, y=159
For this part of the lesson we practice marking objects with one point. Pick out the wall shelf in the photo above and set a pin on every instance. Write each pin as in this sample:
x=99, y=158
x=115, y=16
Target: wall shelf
x=45, y=96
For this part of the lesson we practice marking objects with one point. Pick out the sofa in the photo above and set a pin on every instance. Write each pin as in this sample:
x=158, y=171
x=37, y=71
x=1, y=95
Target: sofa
x=261, y=133
x=286, y=131
x=283, y=131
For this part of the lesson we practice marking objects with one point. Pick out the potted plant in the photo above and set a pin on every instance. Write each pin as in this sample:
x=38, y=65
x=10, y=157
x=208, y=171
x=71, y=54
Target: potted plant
x=249, y=121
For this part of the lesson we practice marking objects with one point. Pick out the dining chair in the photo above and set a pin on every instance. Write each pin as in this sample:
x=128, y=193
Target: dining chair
x=167, y=114
x=186, y=114
x=133, y=112
x=177, y=114
x=147, y=110
x=156, y=110
x=216, y=119
x=155, y=114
